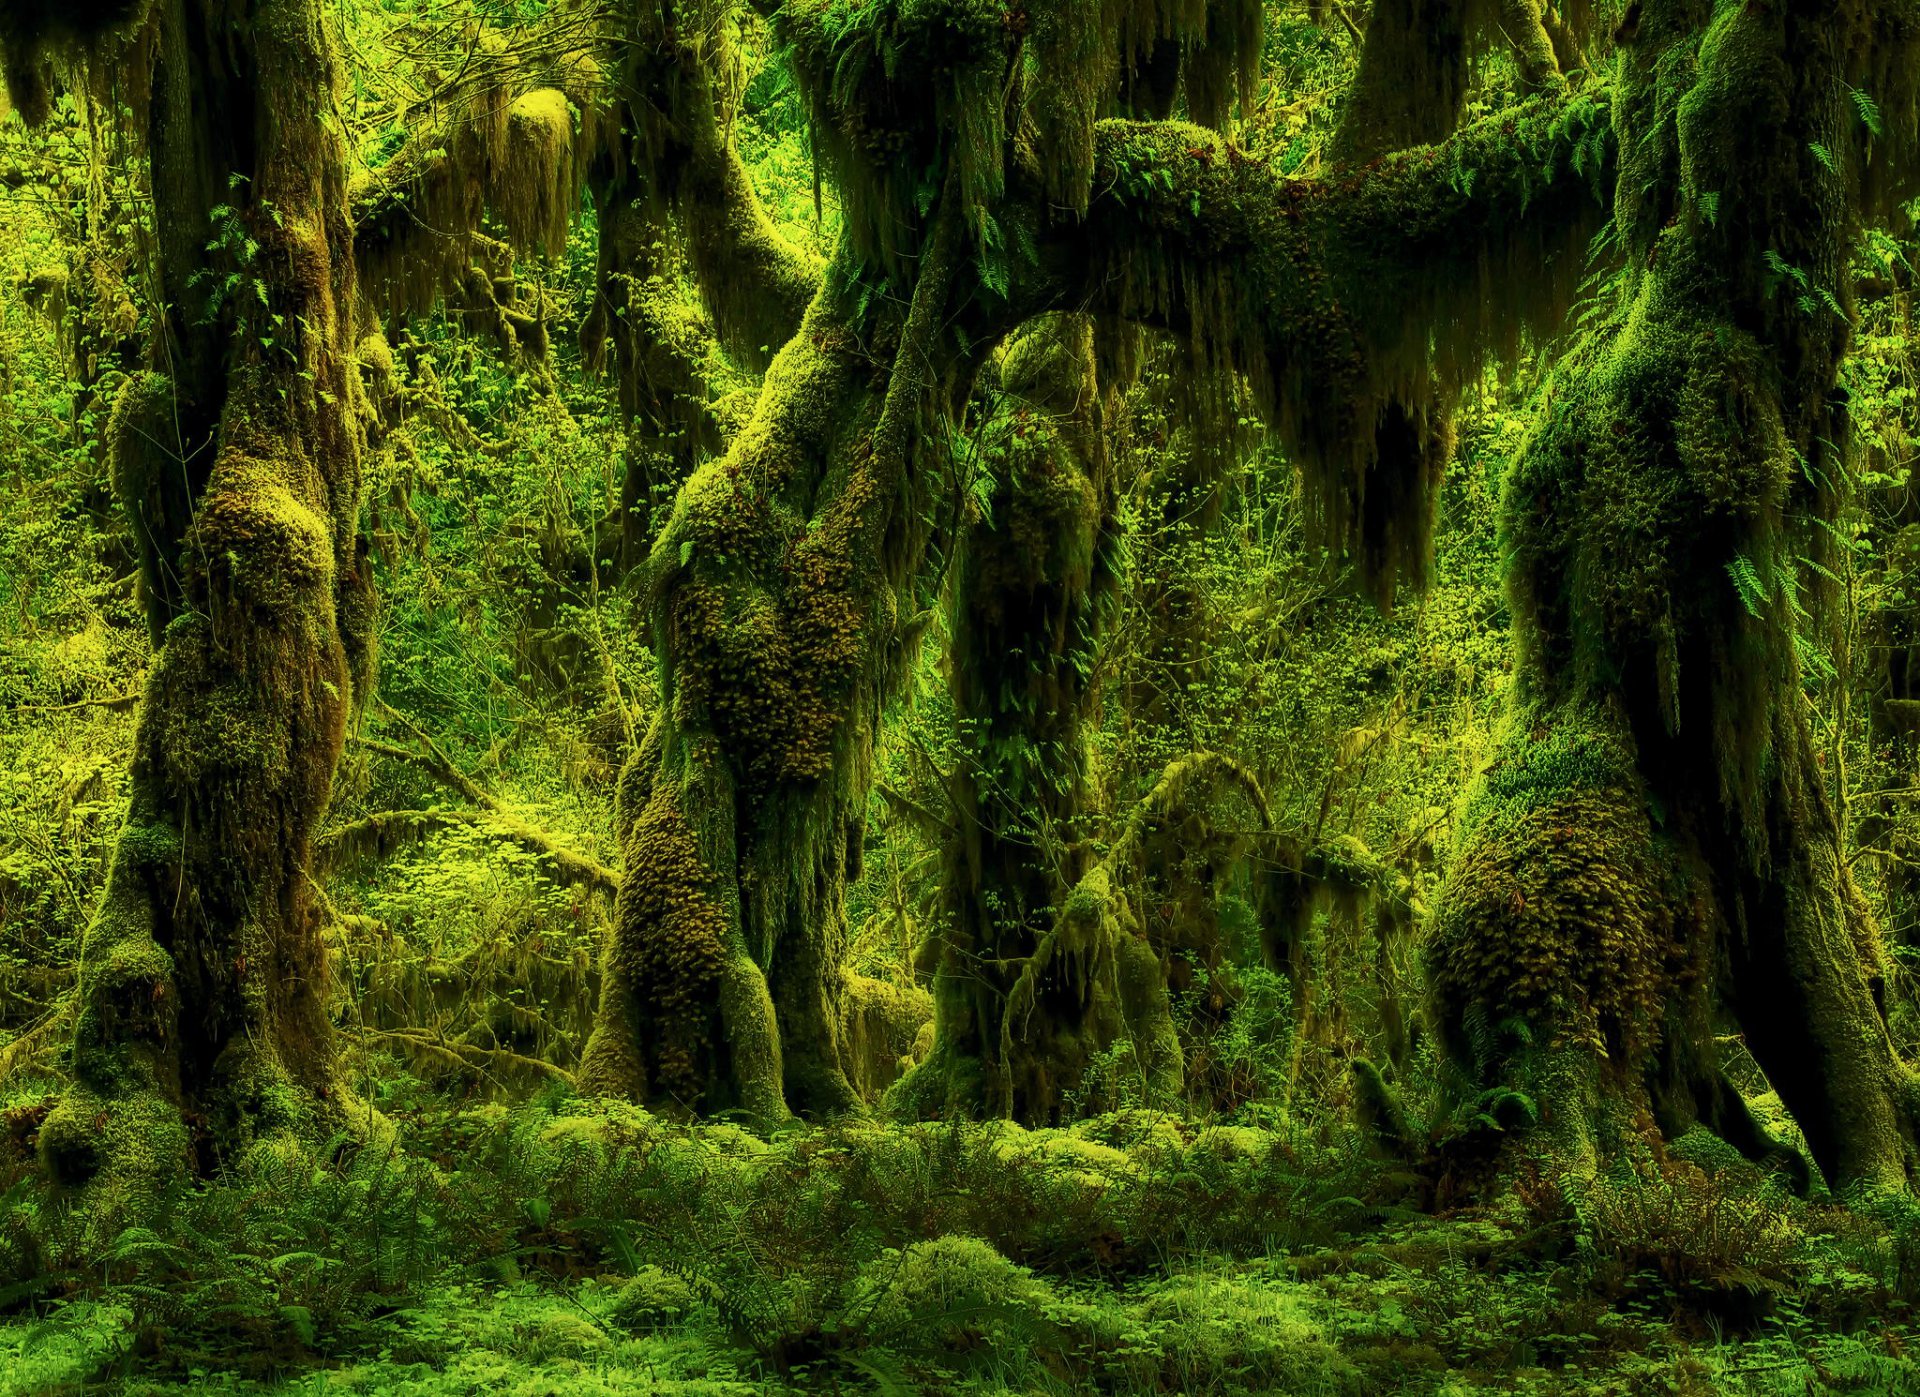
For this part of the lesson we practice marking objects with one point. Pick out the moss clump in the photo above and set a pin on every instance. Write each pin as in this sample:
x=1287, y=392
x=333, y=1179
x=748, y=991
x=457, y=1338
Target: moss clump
x=666, y=981
x=1563, y=909
x=1267, y=1334
x=881, y=1031
x=950, y=1296
x=653, y=1298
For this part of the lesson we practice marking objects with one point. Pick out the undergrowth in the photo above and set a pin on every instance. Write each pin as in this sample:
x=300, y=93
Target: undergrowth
x=574, y=1246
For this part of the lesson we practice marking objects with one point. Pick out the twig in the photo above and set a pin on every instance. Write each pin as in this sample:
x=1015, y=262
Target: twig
x=112, y=701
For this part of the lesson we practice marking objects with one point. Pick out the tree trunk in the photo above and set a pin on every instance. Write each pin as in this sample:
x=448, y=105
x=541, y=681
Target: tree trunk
x=1017, y=1032
x=203, y=1020
x=777, y=614
x=1653, y=841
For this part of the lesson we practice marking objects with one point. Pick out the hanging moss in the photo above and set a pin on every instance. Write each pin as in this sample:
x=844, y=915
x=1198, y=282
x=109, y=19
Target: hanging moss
x=517, y=150
x=898, y=89
x=34, y=34
x=897, y=92
x=1355, y=305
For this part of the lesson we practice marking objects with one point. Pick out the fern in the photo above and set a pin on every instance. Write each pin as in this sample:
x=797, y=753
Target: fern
x=1748, y=584
x=1868, y=112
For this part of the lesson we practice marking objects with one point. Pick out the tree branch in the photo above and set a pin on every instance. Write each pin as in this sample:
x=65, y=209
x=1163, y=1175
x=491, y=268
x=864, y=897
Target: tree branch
x=378, y=834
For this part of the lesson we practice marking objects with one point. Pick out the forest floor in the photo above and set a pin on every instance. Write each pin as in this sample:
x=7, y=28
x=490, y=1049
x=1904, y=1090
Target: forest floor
x=567, y=1248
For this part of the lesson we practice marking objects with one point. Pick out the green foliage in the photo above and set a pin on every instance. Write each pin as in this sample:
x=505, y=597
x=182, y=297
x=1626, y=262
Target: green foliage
x=1294, y=1218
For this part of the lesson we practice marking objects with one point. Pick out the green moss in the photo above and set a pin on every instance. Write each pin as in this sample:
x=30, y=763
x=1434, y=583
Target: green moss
x=669, y=976
x=1356, y=305
x=1563, y=909
x=949, y=1295
x=881, y=1027
x=653, y=1298
x=150, y=847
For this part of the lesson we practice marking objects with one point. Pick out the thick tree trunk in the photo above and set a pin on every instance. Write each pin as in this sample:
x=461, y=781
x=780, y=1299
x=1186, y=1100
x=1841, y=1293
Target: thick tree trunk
x=203, y=1020
x=1031, y=994
x=1653, y=841
x=777, y=609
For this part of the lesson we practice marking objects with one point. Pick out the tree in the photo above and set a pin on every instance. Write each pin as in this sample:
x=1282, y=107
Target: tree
x=1654, y=843
x=202, y=1020
x=1037, y=976
x=788, y=587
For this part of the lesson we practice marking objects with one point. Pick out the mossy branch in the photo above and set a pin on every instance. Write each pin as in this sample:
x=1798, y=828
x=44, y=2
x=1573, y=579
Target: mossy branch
x=377, y=835
x=517, y=157
x=755, y=283
x=32, y=1046
x=467, y=1056
x=1434, y=258
x=1373, y=294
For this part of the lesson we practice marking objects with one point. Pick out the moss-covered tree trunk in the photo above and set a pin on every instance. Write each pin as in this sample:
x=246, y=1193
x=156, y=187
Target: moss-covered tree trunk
x=670, y=192
x=776, y=607
x=203, y=1018
x=1032, y=988
x=1653, y=842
